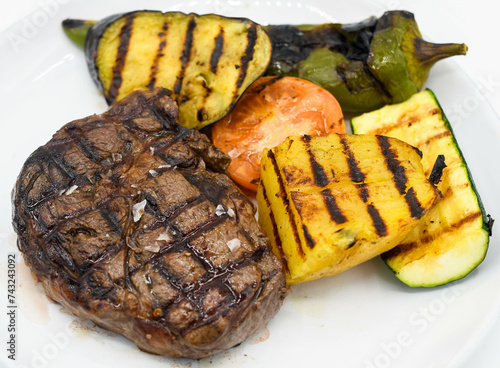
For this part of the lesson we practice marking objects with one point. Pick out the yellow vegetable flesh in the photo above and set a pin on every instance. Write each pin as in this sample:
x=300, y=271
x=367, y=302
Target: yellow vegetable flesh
x=330, y=203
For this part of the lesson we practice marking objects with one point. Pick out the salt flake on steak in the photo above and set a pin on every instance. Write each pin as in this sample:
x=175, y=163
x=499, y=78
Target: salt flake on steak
x=220, y=210
x=233, y=244
x=138, y=210
x=165, y=236
x=153, y=248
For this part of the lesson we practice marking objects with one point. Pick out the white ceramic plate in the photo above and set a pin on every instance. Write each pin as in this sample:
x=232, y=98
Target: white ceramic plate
x=362, y=318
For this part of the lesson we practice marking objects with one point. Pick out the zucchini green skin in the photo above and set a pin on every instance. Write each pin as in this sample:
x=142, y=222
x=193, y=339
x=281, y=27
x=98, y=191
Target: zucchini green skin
x=487, y=220
x=365, y=65
x=452, y=239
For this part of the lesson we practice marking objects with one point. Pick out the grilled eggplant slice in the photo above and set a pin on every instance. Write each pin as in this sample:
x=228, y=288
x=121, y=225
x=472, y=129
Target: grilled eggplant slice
x=329, y=203
x=452, y=238
x=207, y=61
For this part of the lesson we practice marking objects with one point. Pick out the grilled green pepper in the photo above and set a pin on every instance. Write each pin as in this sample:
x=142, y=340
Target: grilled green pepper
x=365, y=65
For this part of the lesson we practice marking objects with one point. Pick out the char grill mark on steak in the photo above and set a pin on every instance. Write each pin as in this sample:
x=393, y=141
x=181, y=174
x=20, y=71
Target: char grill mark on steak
x=128, y=219
x=213, y=277
x=85, y=147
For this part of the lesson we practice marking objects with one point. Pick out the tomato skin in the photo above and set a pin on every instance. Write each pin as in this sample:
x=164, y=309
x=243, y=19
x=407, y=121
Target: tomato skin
x=269, y=111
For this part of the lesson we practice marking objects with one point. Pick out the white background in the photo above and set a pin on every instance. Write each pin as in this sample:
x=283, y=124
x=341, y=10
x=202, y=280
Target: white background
x=472, y=22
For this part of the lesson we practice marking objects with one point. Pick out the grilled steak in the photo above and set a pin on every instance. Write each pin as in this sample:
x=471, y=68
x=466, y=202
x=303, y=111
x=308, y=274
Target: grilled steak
x=128, y=219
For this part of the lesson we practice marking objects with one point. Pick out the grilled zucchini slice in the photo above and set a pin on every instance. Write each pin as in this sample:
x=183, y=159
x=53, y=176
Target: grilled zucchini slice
x=452, y=238
x=330, y=203
x=207, y=61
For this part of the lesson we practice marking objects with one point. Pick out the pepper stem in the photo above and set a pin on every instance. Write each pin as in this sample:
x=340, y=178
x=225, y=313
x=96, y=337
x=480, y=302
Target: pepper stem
x=77, y=29
x=429, y=53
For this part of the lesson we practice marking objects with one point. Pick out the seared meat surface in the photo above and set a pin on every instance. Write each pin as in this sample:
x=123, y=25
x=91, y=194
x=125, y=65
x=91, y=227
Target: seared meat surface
x=128, y=219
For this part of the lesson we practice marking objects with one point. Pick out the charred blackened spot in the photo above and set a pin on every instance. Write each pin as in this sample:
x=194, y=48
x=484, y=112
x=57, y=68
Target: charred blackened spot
x=58, y=252
x=161, y=47
x=116, y=82
x=437, y=170
x=393, y=164
x=386, y=21
x=490, y=222
x=357, y=176
x=364, y=194
x=309, y=239
x=248, y=55
x=351, y=244
x=416, y=209
x=111, y=219
x=186, y=55
x=376, y=82
x=151, y=204
x=159, y=54
x=399, y=177
x=276, y=235
x=378, y=221
x=342, y=73
x=201, y=115
x=282, y=195
x=355, y=172
x=333, y=209
x=168, y=120
x=217, y=51
x=319, y=174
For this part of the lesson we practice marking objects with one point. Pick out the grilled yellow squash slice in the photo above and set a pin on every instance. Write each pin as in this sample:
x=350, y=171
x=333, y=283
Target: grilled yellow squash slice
x=207, y=61
x=452, y=238
x=329, y=203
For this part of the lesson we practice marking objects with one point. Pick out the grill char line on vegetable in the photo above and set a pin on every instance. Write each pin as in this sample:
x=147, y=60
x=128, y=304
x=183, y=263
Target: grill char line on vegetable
x=207, y=61
x=329, y=203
